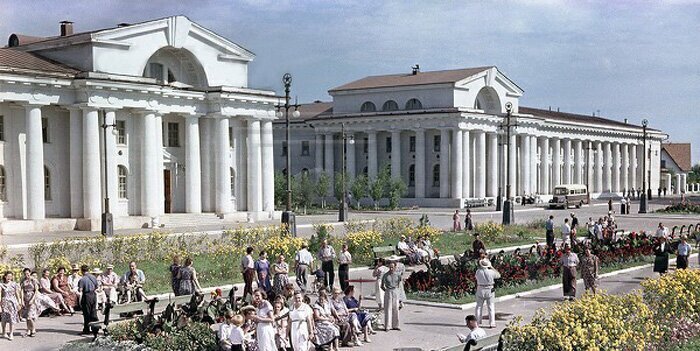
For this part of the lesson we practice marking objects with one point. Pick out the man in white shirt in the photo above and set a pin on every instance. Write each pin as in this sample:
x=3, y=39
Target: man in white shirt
x=74, y=278
x=475, y=333
x=302, y=262
x=486, y=276
x=662, y=231
x=344, y=261
x=327, y=254
x=566, y=232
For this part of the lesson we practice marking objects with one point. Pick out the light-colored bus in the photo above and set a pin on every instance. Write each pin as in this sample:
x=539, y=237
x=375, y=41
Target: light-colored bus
x=566, y=195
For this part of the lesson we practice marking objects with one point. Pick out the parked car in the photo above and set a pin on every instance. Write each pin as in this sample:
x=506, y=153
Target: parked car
x=567, y=195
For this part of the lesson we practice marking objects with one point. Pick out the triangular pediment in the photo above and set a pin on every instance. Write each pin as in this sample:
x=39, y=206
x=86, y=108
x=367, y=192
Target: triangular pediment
x=491, y=77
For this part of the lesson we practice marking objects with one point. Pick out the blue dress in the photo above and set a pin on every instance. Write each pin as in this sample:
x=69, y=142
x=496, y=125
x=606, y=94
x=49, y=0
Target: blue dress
x=262, y=267
x=351, y=302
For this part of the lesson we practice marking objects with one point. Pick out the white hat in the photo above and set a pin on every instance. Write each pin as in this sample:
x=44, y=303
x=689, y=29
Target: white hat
x=96, y=271
x=393, y=258
x=485, y=263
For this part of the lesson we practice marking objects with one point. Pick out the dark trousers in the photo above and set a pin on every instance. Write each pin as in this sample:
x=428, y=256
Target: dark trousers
x=248, y=278
x=327, y=267
x=343, y=275
x=301, y=277
x=88, y=304
x=550, y=237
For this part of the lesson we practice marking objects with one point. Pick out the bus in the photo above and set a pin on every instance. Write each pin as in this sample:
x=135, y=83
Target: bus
x=567, y=195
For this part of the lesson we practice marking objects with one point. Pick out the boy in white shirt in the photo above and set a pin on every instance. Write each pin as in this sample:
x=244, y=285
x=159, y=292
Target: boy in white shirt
x=237, y=336
x=225, y=331
x=475, y=332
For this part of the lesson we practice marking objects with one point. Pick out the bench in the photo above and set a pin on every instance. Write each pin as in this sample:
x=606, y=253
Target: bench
x=486, y=344
x=383, y=251
x=469, y=203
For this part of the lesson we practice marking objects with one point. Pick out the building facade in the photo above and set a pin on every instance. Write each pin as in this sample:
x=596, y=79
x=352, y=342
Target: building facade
x=157, y=113
x=443, y=133
x=675, y=166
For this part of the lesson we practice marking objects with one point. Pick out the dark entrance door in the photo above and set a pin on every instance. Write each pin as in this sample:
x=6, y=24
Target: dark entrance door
x=167, y=190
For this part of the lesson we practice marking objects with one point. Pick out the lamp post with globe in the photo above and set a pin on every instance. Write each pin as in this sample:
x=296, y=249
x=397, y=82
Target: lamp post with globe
x=288, y=217
x=643, y=199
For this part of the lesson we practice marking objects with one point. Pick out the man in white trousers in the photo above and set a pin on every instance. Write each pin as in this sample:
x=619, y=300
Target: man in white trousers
x=486, y=276
x=391, y=283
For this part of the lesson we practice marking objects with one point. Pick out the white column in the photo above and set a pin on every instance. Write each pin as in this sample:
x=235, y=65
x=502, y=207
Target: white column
x=350, y=155
x=110, y=145
x=615, y=163
x=667, y=178
x=607, y=178
x=222, y=174
x=492, y=172
x=160, y=157
x=684, y=182
x=624, y=178
x=268, y=167
x=556, y=163
x=444, y=163
x=578, y=162
x=193, y=166
x=512, y=166
x=396, y=154
x=205, y=154
x=567, y=162
x=480, y=164
x=524, y=164
x=599, y=186
x=372, y=155
x=420, y=164
x=544, y=166
x=457, y=163
x=466, y=165
x=678, y=183
x=318, y=150
x=91, y=164
x=76, y=162
x=533, y=164
x=634, y=166
x=149, y=169
x=240, y=142
x=329, y=157
x=35, y=163
x=254, y=164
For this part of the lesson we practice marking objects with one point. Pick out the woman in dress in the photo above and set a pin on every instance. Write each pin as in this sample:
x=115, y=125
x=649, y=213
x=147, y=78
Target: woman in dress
x=262, y=268
x=265, y=319
x=378, y=274
x=281, y=278
x=456, y=222
x=188, y=279
x=589, y=270
x=662, y=250
x=468, y=222
x=11, y=303
x=174, y=270
x=361, y=318
x=249, y=328
x=281, y=314
x=327, y=333
x=59, y=284
x=45, y=289
x=30, y=294
x=301, y=324
x=569, y=261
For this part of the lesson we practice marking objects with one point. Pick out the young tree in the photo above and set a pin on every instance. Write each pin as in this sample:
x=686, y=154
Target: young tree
x=323, y=184
x=304, y=191
x=338, y=186
x=280, y=189
x=378, y=187
x=358, y=189
x=397, y=189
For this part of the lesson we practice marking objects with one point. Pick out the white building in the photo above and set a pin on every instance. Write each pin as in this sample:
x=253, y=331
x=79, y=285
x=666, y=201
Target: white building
x=675, y=166
x=441, y=133
x=191, y=136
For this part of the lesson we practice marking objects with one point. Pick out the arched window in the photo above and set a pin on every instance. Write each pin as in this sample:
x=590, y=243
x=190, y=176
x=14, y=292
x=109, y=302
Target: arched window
x=436, y=175
x=413, y=104
x=121, y=182
x=412, y=175
x=47, y=184
x=368, y=106
x=3, y=184
x=390, y=105
x=233, y=182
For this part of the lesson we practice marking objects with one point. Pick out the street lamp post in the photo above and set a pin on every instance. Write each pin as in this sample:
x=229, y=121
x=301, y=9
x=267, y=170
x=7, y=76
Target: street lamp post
x=107, y=228
x=343, y=210
x=508, y=215
x=288, y=217
x=499, y=196
x=643, y=199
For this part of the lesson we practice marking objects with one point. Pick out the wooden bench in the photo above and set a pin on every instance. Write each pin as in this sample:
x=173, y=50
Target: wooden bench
x=383, y=251
x=486, y=344
x=475, y=203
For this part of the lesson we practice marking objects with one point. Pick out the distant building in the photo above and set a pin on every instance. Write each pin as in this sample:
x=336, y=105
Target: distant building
x=675, y=165
x=441, y=133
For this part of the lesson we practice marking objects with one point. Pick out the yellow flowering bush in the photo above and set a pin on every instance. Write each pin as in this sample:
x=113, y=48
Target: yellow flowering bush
x=428, y=232
x=592, y=323
x=16, y=271
x=674, y=296
x=360, y=243
x=55, y=263
x=285, y=245
x=489, y=231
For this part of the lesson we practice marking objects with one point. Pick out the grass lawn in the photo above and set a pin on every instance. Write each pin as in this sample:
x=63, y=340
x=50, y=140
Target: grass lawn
x=530, y=285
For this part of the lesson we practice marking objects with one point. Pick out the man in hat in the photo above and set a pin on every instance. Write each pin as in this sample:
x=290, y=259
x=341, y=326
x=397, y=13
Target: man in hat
x=391, y=284
x=88, y=301
x=110, y=282
x=100, y=296
x=73, y=279
x=486, y=277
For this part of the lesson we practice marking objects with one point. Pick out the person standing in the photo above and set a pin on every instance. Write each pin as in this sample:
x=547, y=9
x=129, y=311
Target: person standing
x=390, y=284
x=326, y=254
x=589, y=270
x=302, y=261
x=280, y=269
x=33, y=304
x=262, y=268
x=248, y=271
x=486, y=277
x=88, y=301
x=478, y=246
x=661, y=250
x=344, y=262
x=661, y=231
x=379, y=270
x=574, y=226
x=174, y=280
x=468, y=222
x=300, y=325
x=265, y=330
x=569, y=261
x=684, y=250
x=456, y=222
x=187, y=276
x=549, y=231
x=10, y=304
x=566, y=232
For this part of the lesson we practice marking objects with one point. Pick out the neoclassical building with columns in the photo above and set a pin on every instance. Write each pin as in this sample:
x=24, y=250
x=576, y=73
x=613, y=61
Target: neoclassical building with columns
x=442, y=133
x=184, y=132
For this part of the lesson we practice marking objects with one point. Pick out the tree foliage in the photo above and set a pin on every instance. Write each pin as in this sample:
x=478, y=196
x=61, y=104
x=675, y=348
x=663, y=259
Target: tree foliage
x=323, y=184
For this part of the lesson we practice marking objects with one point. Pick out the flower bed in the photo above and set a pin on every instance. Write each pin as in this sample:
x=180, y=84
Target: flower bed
x=457, y=279
x=681, y=207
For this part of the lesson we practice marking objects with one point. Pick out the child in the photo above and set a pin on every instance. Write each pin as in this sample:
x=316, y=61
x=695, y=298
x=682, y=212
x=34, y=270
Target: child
x=225, y=331
x=320, y=277
x=237, y=337
x=281, y=314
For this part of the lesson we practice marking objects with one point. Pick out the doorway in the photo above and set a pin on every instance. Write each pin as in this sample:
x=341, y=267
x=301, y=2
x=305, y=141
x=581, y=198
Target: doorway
x=167, y=191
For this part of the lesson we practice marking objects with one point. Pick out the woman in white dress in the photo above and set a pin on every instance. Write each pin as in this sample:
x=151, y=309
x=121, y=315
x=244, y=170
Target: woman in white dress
x=265, y=331
x=378, y=273
x=301, y=324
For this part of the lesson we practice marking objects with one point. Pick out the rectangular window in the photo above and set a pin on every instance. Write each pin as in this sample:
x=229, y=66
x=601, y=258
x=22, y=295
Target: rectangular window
x=663, y=163
x=412, y=144
x=156, y=71
x=45, y=130
x=284, y=148
x=388, y=144
x=436, y=143
x=230, y=137
x=2, y=128
x=173, y=134
x=121, y=132
x=122, y=183
x=365, y=146
x=47, y=184
x=305, y=148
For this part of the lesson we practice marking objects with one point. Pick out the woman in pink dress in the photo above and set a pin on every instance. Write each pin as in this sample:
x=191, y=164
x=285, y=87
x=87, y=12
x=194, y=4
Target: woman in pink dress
x=59, y=284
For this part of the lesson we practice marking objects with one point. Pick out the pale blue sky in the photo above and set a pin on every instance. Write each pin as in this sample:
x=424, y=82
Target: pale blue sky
x=628, y=59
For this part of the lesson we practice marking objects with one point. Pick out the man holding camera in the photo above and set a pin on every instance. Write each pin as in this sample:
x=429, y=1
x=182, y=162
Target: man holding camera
x=486, y=277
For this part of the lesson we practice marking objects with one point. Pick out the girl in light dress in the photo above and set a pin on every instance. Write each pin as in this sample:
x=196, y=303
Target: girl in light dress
x=300, y=324
x=10, y=303
x=281, y=314
x=378, y=273
x=265, y=330
x=34, y=302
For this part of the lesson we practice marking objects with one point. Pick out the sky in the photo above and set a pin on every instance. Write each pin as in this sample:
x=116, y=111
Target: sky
x=619, y=59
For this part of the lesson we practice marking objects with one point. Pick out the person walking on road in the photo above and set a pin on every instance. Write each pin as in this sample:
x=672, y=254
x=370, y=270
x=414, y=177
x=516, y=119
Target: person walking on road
x=456, y=222
x=549, y=231
x=468, y=221
x=486, y=277
x=302, y=261
x=88, y=302
x=589, y=270
x=391, y=285
x=248, y=271
x=574, y=226
x=566, y=232
x=327, y=254
x=684, y=250
x=379, y=270
x=569, y=261
x=661, y=251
